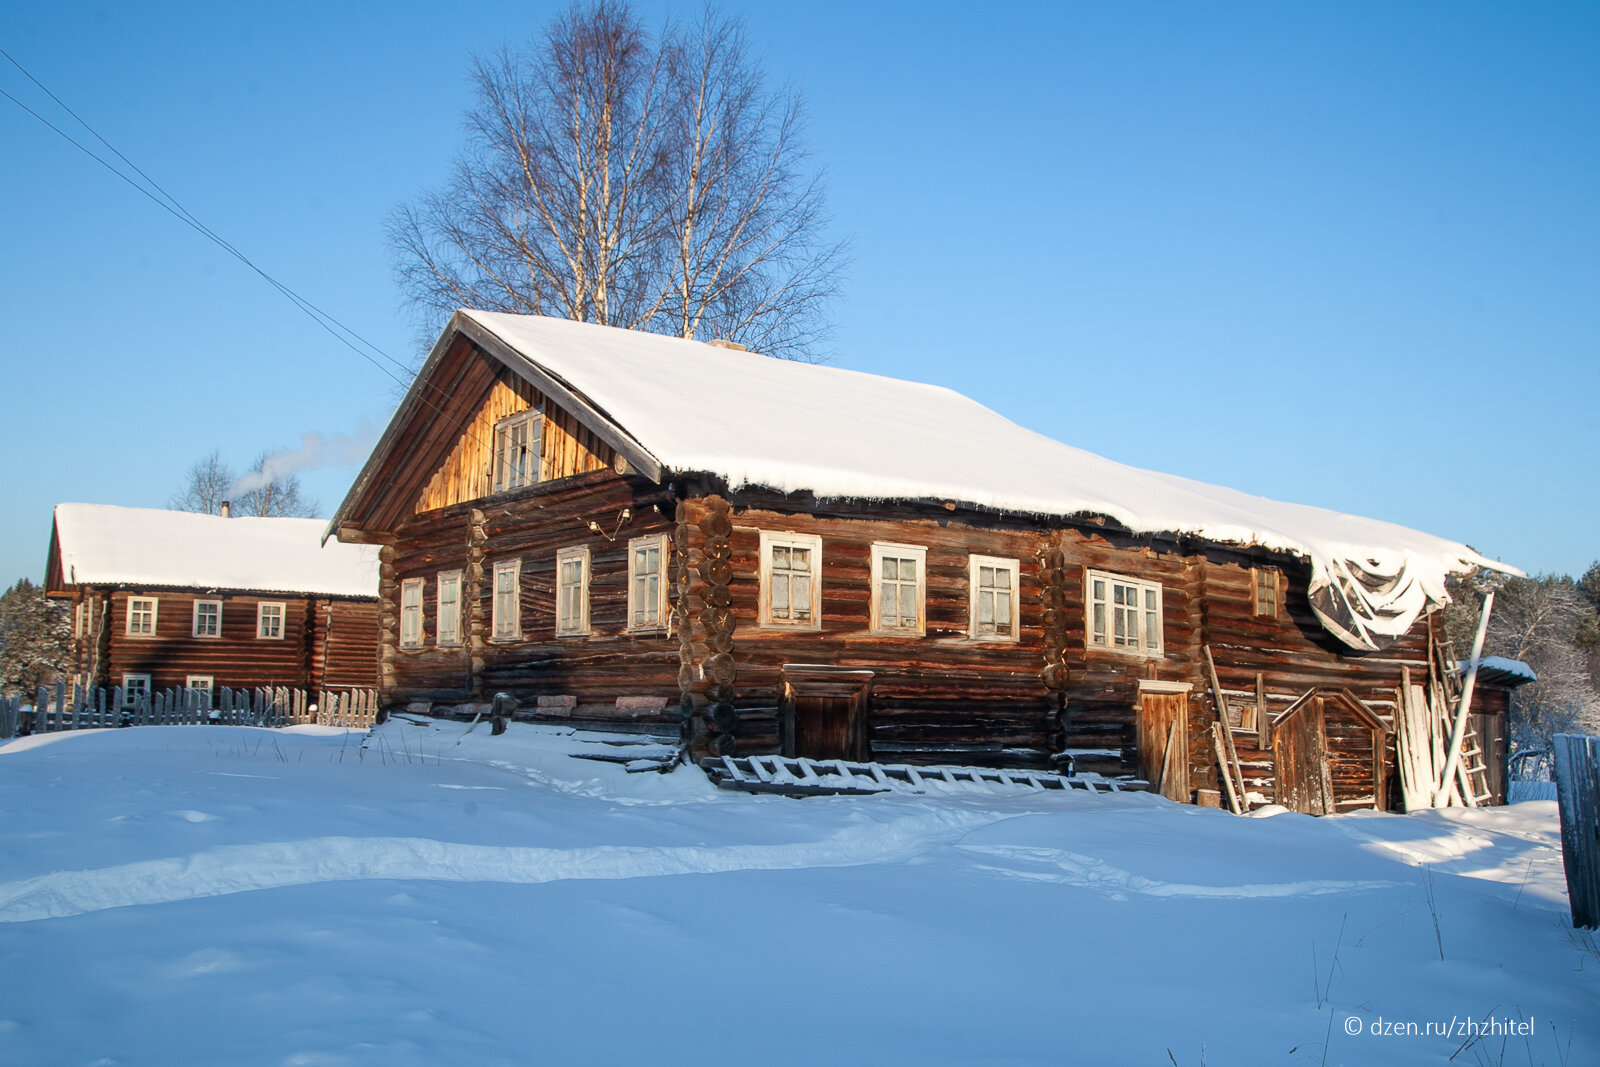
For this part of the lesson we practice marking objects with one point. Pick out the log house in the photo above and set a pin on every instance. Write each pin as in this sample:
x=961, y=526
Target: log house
x=619, y=528
x=166, y=600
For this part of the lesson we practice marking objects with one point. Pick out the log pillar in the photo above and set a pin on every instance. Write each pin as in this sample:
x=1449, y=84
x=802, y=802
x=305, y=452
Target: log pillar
x=707, y=670
x=472, y=600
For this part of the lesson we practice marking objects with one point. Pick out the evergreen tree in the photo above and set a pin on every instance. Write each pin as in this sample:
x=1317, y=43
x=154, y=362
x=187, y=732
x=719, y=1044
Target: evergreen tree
x=35, y=640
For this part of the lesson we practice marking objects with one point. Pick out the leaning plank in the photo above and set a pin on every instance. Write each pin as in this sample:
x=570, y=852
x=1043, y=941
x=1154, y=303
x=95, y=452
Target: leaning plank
x=1577, y=760
x=1217, y=729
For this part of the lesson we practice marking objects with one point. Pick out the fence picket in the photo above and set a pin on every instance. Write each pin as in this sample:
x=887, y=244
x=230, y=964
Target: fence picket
x=272, y=707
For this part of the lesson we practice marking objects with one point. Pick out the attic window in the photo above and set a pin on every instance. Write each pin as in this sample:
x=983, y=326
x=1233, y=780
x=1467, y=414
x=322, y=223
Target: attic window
x=1265, y=582
x=518, y=446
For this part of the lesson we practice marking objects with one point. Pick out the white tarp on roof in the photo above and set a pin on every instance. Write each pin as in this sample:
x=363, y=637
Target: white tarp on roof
x=842, y=433
x=102, y=544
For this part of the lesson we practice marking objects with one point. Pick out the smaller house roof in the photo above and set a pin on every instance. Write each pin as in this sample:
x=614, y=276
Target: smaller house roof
x=101, y=544
x=1502, y=672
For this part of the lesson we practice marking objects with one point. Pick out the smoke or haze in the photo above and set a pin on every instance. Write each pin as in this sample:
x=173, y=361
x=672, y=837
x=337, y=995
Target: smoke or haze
x=316, y=450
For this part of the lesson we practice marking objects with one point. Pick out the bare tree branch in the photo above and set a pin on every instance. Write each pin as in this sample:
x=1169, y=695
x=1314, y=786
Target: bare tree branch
x=650, y=182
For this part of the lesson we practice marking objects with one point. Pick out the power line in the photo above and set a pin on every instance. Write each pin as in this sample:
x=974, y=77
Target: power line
x=169, y=203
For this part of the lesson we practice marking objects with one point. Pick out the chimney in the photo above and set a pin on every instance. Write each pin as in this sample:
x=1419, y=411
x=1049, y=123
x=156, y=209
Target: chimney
x=225, y=511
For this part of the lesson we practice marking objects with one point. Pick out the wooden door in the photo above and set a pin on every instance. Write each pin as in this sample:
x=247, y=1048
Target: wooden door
x=1159, y=713
x=827, y=727
x=1300, y=750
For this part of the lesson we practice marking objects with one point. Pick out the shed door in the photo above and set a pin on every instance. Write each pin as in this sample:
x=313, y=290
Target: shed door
x=1300, y=749
x=828, y=727
x=1158, y=714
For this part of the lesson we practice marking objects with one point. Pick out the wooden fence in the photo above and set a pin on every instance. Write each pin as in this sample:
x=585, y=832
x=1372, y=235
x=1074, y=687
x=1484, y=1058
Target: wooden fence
x=273, y=707
x=1578, y=793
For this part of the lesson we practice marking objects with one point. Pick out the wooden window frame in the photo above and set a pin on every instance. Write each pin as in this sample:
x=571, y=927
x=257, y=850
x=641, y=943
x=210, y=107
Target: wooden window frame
x=448, y=636
x=975, y=592
x=194, y=630
x=80, y=625
x=210, y=686
x=1108, y=643
x=505, y=624
x=1269, y=581
x=883, y=550
x=263, y=613
x=154, y=613
x=771, y=539
x=567, y=626
x=127, y=693
x=506, y=477
x=411, y=612
x=662, y=615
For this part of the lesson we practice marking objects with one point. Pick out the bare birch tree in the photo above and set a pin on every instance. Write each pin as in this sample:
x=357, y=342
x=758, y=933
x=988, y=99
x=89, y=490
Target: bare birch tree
x=212, y=482
x=652, y=183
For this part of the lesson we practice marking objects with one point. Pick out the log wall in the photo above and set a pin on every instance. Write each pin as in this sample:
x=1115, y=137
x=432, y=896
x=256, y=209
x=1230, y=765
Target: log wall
x=327, y=642
x=578, y=676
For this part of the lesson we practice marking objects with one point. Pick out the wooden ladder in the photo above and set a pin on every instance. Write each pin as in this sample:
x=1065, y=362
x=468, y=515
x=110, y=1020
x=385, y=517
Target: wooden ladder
x=1472, y=773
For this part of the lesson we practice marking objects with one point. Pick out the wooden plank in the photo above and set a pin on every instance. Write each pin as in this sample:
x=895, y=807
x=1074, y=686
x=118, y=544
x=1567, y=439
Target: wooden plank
x=1577, y=764
x=1217, y=731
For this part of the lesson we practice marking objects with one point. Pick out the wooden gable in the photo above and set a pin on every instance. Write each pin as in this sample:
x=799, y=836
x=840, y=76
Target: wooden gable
x=567, y=447
x=438, y=450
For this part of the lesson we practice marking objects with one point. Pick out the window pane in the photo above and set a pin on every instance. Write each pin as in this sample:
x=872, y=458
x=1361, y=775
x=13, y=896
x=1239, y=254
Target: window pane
x=801, y=558
x=986, y=610
x=1002, y=578
x=1002, y=612
x=1099, y=623
x=908, y=570
x=1150, y=600
x=889, y=604
x=780, y=557
x=802, y=596
x=1152, y=631
x=1099, y=589
x=780, y=596
x=891, y=569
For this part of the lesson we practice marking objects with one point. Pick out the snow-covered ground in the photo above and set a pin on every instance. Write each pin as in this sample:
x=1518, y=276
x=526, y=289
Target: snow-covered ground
x=223, y=895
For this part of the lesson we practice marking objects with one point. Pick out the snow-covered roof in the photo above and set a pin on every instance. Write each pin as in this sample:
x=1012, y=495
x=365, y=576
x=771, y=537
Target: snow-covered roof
x=1503, y=670
x=100, y=544
x=757, y=421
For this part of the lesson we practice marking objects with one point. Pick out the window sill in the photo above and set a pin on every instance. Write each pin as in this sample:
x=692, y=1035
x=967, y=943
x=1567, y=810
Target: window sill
x=579, y=633
x=784, y=628
x=1123, y=653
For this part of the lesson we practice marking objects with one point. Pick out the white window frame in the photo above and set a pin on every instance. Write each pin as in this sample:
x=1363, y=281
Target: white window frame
x=1100, y=634
x=505, y=609
x=80, y=625
x=204, y=682
x=127, y=688
x=975, y=565
x=771, y=539
x=153, y=611
x=507, y=474
x=264, y=612
x=639, y=597
x=411, y=612
x=195, y=627
x=887, y=550
x=573, y=621
x=448, y=612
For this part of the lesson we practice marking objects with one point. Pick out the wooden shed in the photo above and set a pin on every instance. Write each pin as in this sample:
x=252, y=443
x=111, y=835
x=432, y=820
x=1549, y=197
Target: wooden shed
x=170, y=599
x=772, y=557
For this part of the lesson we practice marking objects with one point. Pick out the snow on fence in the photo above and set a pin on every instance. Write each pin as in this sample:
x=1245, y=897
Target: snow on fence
x=269, y=706
x=1577, y=760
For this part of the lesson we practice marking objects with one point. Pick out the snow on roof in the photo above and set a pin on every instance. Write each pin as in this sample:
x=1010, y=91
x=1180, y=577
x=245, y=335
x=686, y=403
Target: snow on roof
x=1511, y=668
x=846, y=434
x=104, y=544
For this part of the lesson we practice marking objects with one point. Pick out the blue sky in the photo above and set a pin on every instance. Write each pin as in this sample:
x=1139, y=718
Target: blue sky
x=1346, y=254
